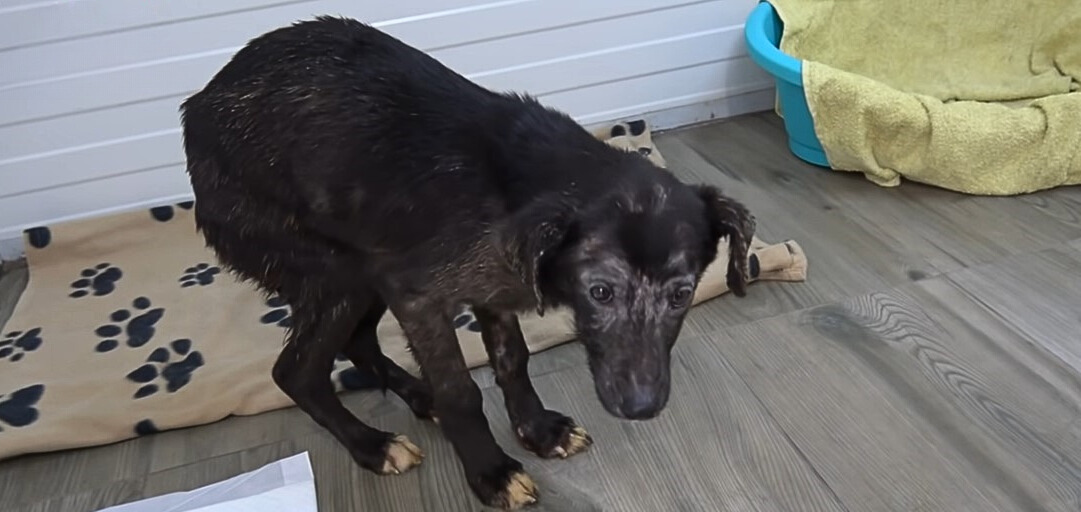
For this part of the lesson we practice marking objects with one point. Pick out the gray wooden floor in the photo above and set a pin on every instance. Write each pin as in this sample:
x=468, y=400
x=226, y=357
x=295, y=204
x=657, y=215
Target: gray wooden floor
x=931, y=362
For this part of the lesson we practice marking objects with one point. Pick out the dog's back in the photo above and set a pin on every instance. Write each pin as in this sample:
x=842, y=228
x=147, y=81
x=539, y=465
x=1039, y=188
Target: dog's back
x=332, y=119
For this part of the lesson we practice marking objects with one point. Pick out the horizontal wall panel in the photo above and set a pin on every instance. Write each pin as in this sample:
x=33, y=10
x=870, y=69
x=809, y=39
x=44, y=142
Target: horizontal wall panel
x=22, y=26
x=594, y=104
x=488, y=57
x=162, y=147
x=573, y=41
x=618, y=63
x=638, y=95
x=97, y=162
x=182, y=77
x=225, y=34
x=528, y=50
x=88, y=128
x=90, y=89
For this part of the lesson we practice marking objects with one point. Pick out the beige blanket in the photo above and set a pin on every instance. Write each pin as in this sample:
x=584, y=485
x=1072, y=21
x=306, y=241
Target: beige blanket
x=128, y=327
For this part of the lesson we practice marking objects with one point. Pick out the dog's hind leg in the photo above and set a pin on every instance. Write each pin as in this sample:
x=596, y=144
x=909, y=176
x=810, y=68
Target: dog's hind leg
x=547, y=433
x=303, y=369
x=364, y=352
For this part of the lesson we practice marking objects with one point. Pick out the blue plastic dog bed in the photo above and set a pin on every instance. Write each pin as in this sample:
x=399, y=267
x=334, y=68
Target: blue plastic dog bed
x=763, y=33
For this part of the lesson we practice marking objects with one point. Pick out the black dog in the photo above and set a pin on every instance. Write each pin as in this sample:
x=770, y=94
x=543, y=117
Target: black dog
x=348, y=172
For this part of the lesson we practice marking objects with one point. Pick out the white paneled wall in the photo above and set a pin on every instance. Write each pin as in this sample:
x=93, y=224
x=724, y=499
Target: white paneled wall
x=89, y=89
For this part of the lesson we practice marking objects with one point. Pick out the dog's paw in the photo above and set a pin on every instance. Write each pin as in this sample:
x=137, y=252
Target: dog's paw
x=520, y=492
x=401, y=456
x=551, y=435
x=576, y=441
x=506, y=487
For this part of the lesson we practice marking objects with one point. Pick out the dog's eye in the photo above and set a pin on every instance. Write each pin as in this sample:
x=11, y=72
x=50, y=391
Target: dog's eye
x=645, y=151
x=601, y=293
x=682, y=297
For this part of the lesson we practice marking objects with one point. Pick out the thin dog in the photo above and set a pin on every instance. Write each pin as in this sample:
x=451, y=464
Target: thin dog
x=350, y=173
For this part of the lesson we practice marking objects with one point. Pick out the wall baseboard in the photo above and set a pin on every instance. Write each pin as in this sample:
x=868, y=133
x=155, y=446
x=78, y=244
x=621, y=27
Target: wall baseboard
x=12, y=249
x=701, y=112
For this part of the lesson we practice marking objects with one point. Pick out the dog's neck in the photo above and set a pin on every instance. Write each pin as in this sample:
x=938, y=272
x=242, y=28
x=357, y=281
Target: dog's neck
x=538, y=152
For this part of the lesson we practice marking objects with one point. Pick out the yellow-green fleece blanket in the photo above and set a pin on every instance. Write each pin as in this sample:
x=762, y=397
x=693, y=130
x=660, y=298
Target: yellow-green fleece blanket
x=977, y=96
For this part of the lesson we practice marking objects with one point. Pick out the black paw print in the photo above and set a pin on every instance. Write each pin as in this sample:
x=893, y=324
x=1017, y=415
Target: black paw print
x=16, y=344
x=101, y=280
x=279, y=313
x=466, y=320
x=162, y=368
x=165, y=213
x=39, y=237
x=19, y=409
x=201, y=274
x=139, y=329
x=145, y=428
x=353, y=379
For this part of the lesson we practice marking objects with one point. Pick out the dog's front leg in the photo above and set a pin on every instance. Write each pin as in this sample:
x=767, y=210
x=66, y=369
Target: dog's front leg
x=496, y=478
x=547, y=433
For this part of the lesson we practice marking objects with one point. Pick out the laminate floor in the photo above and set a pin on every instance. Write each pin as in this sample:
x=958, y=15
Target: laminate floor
x=932, y=361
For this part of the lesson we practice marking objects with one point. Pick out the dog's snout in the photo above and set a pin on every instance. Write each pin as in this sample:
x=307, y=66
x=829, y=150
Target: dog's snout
x=633, y=390
x=641, y=404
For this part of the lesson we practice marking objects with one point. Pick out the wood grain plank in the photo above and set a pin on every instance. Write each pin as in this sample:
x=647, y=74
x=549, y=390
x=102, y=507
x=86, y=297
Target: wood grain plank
x=981, y=229
x=29, y=479
x=1075, y=244
x=215, y=469
x=731, y=458
x=846, y=257
x=714, y=448
x=238, y=433
x=121, y=491
x=914, y=399
x=1039, y=294
x=948, y=230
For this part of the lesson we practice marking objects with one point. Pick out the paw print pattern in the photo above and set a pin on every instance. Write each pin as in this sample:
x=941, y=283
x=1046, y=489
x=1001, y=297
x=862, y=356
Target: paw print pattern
x=39, y=237
x=16, y=344
x=201, y=274
x=19, y=408
x=634, y=136
x=138, y=326
x=99, y=280
x=467, y=321
x=352, y=379
x=165, y=213
x=170, y=366
x=279, y=313
x=145, y=428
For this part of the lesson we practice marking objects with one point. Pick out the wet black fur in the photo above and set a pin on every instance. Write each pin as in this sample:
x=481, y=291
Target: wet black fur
x=349, y=173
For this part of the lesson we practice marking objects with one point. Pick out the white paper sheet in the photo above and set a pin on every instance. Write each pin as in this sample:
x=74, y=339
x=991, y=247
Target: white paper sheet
x=287, y=485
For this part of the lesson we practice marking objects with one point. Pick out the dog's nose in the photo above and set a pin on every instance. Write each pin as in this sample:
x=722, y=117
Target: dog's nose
x=640, y=405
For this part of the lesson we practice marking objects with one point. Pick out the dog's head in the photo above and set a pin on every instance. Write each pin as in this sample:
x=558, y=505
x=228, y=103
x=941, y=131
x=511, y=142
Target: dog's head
x=628, y=265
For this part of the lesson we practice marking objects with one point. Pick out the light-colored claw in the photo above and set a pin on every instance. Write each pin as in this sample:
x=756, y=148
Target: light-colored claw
x=577, y=441
x=402, y=455
x=520, y=492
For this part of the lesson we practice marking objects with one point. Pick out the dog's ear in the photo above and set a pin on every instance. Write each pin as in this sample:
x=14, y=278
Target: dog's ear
x=729, y=219
x=532, y=235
